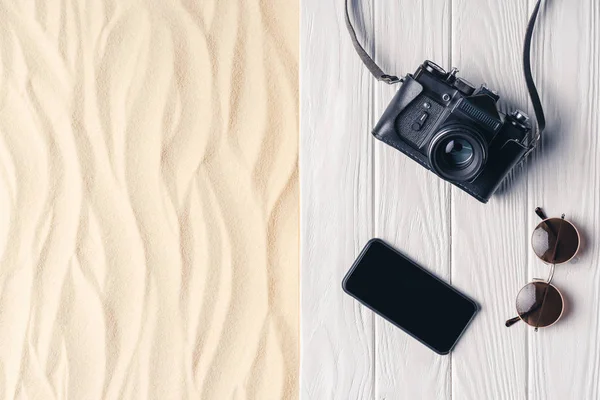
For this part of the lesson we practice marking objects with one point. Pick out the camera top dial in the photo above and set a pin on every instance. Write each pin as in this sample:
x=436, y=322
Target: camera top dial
x=464, y=86
x=452, y=75
x=520, y=116
x=434, y=69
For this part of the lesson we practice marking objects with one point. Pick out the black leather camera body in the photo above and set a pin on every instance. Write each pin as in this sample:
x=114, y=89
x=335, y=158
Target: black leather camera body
x=442, y=122
x=455, y=130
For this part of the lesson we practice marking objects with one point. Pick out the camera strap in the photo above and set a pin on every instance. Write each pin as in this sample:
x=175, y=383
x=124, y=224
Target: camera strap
x=365, y=57
x=531, y=88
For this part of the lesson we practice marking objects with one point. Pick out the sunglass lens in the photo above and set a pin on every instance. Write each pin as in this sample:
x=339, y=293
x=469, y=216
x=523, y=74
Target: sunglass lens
x=555, y=241
x=539, y=304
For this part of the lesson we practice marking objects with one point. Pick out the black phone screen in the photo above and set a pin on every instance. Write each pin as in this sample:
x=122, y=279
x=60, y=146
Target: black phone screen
x=411, y=298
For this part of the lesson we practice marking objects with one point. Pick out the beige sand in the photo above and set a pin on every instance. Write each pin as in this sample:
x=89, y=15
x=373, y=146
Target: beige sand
x=148, y=199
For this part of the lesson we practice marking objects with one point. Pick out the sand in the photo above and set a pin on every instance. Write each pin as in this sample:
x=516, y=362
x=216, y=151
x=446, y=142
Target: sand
x=148, y=199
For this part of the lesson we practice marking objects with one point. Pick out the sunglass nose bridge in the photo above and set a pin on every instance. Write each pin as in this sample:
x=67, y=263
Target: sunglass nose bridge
x=551, y=276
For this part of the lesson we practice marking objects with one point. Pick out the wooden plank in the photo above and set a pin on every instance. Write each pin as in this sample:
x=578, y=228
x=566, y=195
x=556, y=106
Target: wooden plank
x=336, y=204
x=489, y=242
x=354, y=188
x=411, y=204
x=565, y=358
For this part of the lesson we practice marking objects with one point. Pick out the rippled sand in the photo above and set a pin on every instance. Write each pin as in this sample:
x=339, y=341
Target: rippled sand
x=148, y=199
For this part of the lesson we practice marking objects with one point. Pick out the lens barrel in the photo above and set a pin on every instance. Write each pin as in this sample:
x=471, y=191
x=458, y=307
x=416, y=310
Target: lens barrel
x=457, y=153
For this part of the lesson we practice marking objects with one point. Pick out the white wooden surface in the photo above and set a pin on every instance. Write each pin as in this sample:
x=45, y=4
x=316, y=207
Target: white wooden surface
x=354, y=188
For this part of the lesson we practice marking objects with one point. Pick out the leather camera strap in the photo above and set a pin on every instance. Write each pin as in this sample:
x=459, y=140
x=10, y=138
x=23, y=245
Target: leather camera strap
x=533, y=92
x=531, y=88
x=364, y=56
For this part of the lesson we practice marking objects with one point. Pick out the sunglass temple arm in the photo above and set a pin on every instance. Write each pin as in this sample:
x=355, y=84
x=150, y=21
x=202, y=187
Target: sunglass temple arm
x=540, y=213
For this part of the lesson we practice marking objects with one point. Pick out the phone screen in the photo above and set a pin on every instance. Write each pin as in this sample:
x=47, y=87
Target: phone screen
x=411, y=298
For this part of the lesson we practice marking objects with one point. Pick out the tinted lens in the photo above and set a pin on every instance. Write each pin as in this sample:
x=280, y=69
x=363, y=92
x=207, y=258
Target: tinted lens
x=539, y=304
x=458, y=153
x=555, y=241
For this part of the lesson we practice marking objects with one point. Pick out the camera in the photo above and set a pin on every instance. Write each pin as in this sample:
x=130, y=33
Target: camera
x=455, y=130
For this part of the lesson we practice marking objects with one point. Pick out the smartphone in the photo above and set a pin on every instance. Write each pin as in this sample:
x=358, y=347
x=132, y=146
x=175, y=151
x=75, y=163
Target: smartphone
x=422, y=305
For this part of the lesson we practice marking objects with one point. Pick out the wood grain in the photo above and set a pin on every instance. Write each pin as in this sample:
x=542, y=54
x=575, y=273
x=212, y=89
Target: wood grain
x=355, y=188
x=411, y=203
x=337, y=216
x=489, y=242
x=564, y=178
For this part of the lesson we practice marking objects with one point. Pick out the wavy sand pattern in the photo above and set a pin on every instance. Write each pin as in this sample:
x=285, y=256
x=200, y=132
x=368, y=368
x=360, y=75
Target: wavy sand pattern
x=148, y=199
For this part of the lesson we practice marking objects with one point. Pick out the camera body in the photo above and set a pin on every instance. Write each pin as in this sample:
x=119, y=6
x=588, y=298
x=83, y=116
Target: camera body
x=449, y=127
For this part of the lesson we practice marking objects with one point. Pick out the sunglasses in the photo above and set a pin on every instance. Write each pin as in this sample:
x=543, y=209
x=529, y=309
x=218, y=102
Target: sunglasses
x=555, y=241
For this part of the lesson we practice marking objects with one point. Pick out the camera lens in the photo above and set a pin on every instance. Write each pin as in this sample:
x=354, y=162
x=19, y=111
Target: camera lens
x=457, y=153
